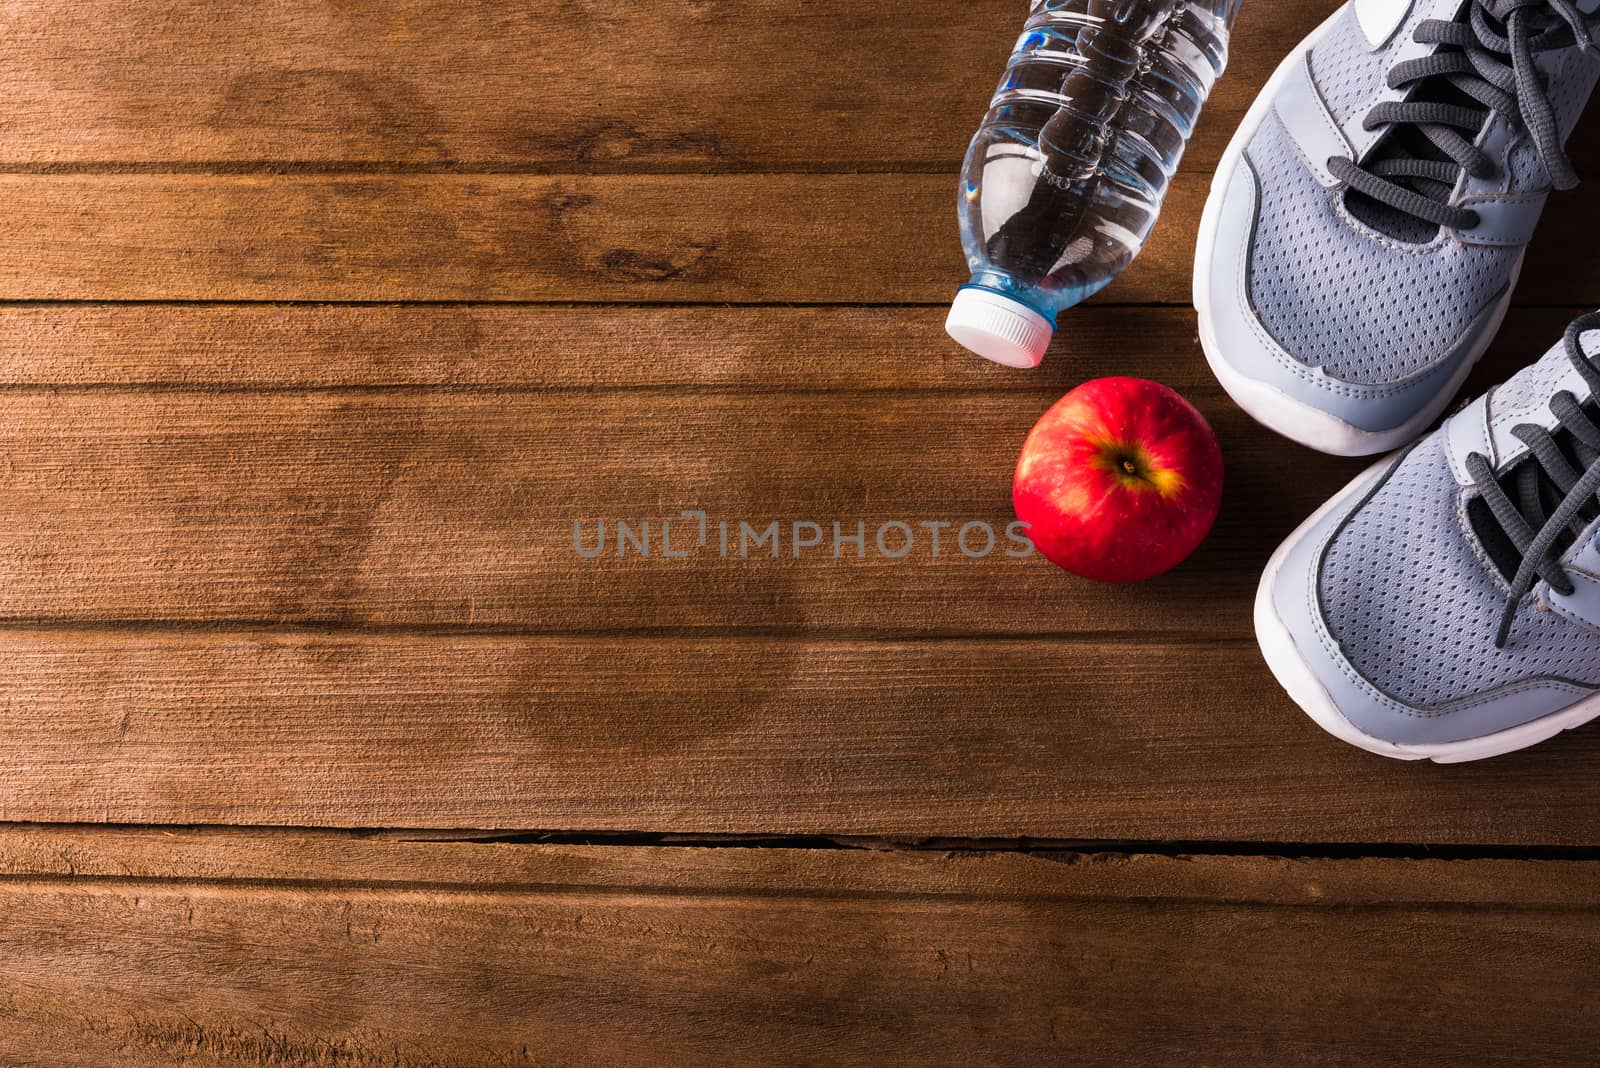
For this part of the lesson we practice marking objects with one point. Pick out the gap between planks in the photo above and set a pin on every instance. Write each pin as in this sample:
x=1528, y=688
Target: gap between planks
x=311, y=859
x=1064, y=851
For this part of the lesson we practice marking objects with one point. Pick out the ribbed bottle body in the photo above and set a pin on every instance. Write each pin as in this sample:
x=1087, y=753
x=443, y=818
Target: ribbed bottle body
x=1065, y=178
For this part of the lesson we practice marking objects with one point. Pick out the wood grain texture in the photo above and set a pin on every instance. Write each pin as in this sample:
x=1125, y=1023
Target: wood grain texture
x=564, y=347
x=484, y=955
x=869, y=238
x=683, y=84
x=740, y=238
x=567, y=348
x=1054, y=740
x=469, y=509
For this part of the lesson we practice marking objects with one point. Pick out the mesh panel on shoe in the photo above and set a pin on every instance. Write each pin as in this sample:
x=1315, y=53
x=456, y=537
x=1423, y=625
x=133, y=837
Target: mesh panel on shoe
x=1415, y=609
x=1347, y=72
x=1337, y=298
x=1527, y=171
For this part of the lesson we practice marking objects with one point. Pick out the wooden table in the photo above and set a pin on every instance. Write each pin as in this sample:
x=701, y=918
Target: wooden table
x=323, y=324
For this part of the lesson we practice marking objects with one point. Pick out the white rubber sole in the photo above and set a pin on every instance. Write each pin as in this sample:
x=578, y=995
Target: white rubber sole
x=1267, y=405
x=1298, y=680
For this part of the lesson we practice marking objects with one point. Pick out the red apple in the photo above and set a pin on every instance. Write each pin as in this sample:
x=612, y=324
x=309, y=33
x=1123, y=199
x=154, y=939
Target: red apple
x=1120, y=481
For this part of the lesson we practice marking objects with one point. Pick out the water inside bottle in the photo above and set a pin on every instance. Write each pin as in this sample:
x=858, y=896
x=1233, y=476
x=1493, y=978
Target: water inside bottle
x=1065, y=178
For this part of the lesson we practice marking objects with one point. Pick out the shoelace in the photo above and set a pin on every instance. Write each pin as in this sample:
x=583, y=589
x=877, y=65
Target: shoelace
x=1495, y=31
x=1533, y=526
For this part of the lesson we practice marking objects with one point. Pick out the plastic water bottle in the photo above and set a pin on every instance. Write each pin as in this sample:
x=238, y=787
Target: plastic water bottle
x=1065, y=177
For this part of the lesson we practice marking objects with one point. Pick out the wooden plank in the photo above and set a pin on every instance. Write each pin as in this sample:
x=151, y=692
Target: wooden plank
x=674, y=85
x=743, y=238
x=512, y=347
x=558, y=347
x=1050, y=740
x=871, y=960
x=469, y=509
x=562, y=347
x=479, y=85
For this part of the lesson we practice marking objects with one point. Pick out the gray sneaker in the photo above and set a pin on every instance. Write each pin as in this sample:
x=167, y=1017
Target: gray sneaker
x=1366, y=225
x=1446, y=604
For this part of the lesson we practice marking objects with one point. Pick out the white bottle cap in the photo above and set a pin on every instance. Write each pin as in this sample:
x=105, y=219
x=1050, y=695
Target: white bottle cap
x=999, y=328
